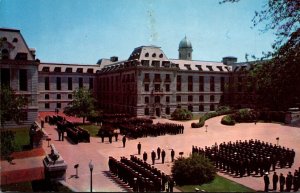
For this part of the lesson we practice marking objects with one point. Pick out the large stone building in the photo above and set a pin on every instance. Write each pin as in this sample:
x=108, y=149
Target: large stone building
x=148, y=83
x=151, y=84
x=19, y=70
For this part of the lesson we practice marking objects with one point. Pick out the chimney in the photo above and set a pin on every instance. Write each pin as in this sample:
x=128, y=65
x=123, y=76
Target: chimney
x=32, y=51
x=114, y=59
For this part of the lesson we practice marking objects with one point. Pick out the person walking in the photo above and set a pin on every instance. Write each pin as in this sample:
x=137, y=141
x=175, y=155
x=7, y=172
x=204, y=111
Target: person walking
x=158, y=153
x=139, y=147
x=275, y=180
x=124, y=141
x=172, y=154
x=153, y=156
x=163, y=155
x=145, y=156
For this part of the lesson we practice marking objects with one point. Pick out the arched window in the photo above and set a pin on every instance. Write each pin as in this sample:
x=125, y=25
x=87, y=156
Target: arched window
x=153, y=55
x=147, y=54
x=160, y=55
x=5, y=54
x=15, y=40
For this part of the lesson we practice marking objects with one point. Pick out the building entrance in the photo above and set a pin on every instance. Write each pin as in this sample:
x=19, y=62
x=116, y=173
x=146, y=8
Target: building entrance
x=157, y=112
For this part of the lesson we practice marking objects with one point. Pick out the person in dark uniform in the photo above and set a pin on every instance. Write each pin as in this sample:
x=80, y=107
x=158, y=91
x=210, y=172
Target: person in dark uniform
x=172, y=154
x=289, y=182
x=153, y=156
x=158, y=153
x=163, y=155
x=59, y=134
x=281, y=182
x=116, y=136
x=145, y=156
x=275, y=181
x=124, y=140
x=139, y=147
x=110, y=138
x=267, y=182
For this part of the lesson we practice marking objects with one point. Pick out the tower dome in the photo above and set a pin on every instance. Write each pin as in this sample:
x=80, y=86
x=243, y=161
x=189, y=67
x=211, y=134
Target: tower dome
x=185, y=43
x=185, y=49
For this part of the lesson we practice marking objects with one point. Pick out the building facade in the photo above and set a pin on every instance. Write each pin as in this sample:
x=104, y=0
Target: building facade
x=148, y=83
x=19, y=70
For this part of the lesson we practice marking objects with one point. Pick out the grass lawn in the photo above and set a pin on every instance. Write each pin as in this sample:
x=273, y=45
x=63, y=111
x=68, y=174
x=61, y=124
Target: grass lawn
x=219, y=184
x=21, y=137
x=93, y=129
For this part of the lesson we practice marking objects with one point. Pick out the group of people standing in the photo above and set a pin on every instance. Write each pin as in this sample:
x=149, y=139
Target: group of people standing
x=246, y=157
x=286, y=184
x=159, y=153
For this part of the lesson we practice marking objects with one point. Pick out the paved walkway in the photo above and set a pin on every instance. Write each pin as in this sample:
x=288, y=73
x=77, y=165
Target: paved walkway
x=99, y=152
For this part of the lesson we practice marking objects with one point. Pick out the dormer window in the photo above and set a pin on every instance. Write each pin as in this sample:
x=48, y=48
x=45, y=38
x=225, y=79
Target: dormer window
x=153, y=55
x=5, y=54
x=15, y=40
x=79, y=70
x=220, y=68
x=90, y=71
x=161, y=55
x=147, y=54
x=210, y=68
x=46, y=69
x=199, y=67
x=188, y=66
x=57, y=69
x=69, y=70
x=4, y=39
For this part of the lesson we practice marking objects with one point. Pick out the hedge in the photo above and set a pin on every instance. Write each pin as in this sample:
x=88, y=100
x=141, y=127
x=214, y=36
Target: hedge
x=228, y=120
x=182, y=114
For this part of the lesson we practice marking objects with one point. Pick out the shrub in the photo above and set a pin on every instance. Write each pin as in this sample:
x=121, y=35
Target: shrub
x=195, y=169
x=195, y=125
x=228, y=120
x=182, y=114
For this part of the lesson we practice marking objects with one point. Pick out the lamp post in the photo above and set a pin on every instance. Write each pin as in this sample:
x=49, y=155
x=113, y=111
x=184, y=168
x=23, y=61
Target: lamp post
x=91, y=166
x=206, y=128
x=277, y=141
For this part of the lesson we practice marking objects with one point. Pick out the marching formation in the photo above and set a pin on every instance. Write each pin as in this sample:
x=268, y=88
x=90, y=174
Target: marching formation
x=247, y=157
x=139, y=175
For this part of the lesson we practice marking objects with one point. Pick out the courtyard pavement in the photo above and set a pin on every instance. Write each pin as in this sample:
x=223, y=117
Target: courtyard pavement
x=217, y=133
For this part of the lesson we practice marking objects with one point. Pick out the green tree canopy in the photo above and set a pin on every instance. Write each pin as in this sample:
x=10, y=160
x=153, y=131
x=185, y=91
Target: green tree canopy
x=82, y=104
x=12, y=105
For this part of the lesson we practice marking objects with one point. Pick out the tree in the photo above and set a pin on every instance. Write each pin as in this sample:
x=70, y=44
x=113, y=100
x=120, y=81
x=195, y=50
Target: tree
x=82, y=104
x=277, y=80
x=195, y=169
x=12, y=105
x=181, y=114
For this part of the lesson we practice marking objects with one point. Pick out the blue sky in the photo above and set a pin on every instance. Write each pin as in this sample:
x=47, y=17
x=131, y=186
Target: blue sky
x=83, y=31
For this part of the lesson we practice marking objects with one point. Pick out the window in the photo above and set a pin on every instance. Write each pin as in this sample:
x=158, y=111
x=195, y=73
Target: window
x=46, y=96
x=80, y=81
x=188, y=66
x=167, y=99
x=146, y=87
x=146, y=111
x=91, y=83
x=155, y=63
x=15, y=40
x=178, y=87
x=145, y=62
x=240, y=82
x=58, y=105
x=70, y=96
x=190, y=83
x=5, y=54
x=167, y=78
x=47, y=105
x=178, y=98
x=57, y=69
x=190, y=108
x=167, y=88
x=199, y=67
x=201, y=98
x=222, y=83
x=153, y=55
x=157, y=78
x=157, y=99
x=23, y=81
x=147, y=54
x=167, y=110
x=212, y=107
x=201, y=83
x=212, y=83
x=58, y=83
x=190, y=98
x=47, y=83
x=5, y=76
x=69, y=70
x=160, y=55
x=201, y=108
x=70, y=83
x=146, y=100
x=212, y=98
x=58, y=96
